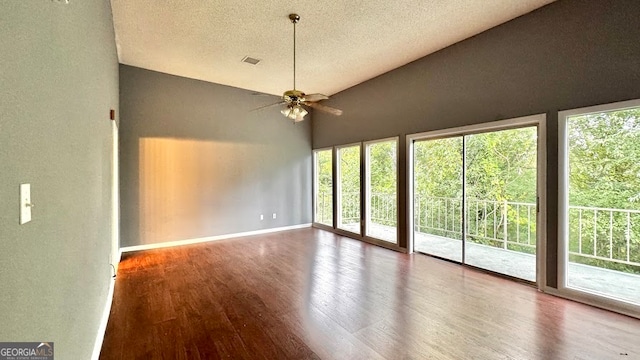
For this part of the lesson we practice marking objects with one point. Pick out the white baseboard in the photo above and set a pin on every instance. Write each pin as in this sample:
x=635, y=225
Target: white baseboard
x=117, y=260
x=105, y=319
x=210, y=238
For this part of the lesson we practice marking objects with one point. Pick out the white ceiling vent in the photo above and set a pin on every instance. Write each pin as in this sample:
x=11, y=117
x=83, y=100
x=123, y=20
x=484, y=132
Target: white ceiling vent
x=250, y=60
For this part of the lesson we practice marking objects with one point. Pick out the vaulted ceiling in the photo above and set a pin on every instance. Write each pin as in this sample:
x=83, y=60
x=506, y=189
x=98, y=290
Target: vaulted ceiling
x=339, y=43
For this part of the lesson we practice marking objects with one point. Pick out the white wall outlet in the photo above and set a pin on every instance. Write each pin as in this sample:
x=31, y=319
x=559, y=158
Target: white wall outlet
x=261, y=216
x=274, y=215
x=25, y=203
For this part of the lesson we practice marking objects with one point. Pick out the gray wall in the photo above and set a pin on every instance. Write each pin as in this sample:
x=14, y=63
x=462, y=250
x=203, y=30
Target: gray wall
x=58, y=80
x=196, y=162
x=565, y=55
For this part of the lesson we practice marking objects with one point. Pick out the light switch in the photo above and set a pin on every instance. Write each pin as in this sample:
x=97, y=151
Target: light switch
x=25, y=203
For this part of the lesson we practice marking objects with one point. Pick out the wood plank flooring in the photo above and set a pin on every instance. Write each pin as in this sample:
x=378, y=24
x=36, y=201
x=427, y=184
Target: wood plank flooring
x=310, y=294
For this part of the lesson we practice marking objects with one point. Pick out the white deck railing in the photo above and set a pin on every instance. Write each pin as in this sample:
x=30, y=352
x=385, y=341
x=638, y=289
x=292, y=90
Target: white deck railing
x=611, y=235
x=510, y=225
x=605, y=234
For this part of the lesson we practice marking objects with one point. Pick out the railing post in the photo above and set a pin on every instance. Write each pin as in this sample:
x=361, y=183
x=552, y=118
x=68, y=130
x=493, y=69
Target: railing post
x=476, y=220
x=610, y=234
x=528, y=225
x=484, y=215
x=419, y=213
x=595, y=232
x=628, y=236
x=518, y=223
x=322, y=210
x=579, y=229
x=504, y=211
x=496, y=222
x=446, y=213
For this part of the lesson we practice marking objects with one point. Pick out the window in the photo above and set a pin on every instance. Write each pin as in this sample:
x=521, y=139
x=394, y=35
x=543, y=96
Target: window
x=382, y=190
x=348, y=168
x=600, y=201
x=323, y=187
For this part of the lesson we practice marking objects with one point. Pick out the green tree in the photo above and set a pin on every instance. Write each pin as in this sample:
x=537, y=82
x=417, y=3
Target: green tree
x=604, y=159
x=383, y=167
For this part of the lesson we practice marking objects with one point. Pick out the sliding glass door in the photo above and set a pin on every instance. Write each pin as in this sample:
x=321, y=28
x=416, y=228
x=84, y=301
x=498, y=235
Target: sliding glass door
x=475, y=197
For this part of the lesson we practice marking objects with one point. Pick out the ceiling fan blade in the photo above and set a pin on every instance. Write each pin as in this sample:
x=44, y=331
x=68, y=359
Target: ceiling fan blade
x=327, y=109
x=270, y=105
x=315, y=97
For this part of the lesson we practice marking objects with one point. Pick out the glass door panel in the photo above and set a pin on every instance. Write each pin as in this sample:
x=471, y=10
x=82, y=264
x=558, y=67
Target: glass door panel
x=438, y=197
x=381, y=189
x=348, y=171
x=603, y=245
x=323, y=187
x=500, y=190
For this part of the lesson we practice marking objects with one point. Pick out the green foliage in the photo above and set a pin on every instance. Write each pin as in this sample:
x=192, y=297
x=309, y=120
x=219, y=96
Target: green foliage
x=383, y=167
x=349, y=163
x=438, y=168
x=604, y=159
x=501, y=165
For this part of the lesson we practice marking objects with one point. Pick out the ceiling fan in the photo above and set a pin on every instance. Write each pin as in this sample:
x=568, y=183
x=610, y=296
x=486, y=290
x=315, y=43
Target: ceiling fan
x=294, y=99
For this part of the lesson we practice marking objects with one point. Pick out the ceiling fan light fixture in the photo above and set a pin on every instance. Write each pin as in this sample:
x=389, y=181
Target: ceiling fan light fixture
x=286, y=111
x=294, y=112
x=300, y=113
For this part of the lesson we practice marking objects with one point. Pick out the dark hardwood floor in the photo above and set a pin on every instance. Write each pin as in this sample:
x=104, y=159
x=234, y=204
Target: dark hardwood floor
x=309, y=294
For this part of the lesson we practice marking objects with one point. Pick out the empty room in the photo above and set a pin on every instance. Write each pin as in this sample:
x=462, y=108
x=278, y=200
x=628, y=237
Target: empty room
x=320, y=180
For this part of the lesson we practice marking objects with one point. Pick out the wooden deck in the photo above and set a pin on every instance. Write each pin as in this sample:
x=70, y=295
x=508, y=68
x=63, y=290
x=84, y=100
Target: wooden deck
x=309, y=294
x=620, y=285
x=617, y=284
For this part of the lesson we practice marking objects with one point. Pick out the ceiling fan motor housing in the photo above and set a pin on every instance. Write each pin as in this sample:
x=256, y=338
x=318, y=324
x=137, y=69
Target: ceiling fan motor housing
x=293, y=96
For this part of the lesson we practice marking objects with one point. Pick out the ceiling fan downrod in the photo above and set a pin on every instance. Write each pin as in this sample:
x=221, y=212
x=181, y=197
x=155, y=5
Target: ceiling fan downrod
x=294, y=19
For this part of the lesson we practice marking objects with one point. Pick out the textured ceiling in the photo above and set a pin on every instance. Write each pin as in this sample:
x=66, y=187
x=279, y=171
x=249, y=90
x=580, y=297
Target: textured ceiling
x=339, y=43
